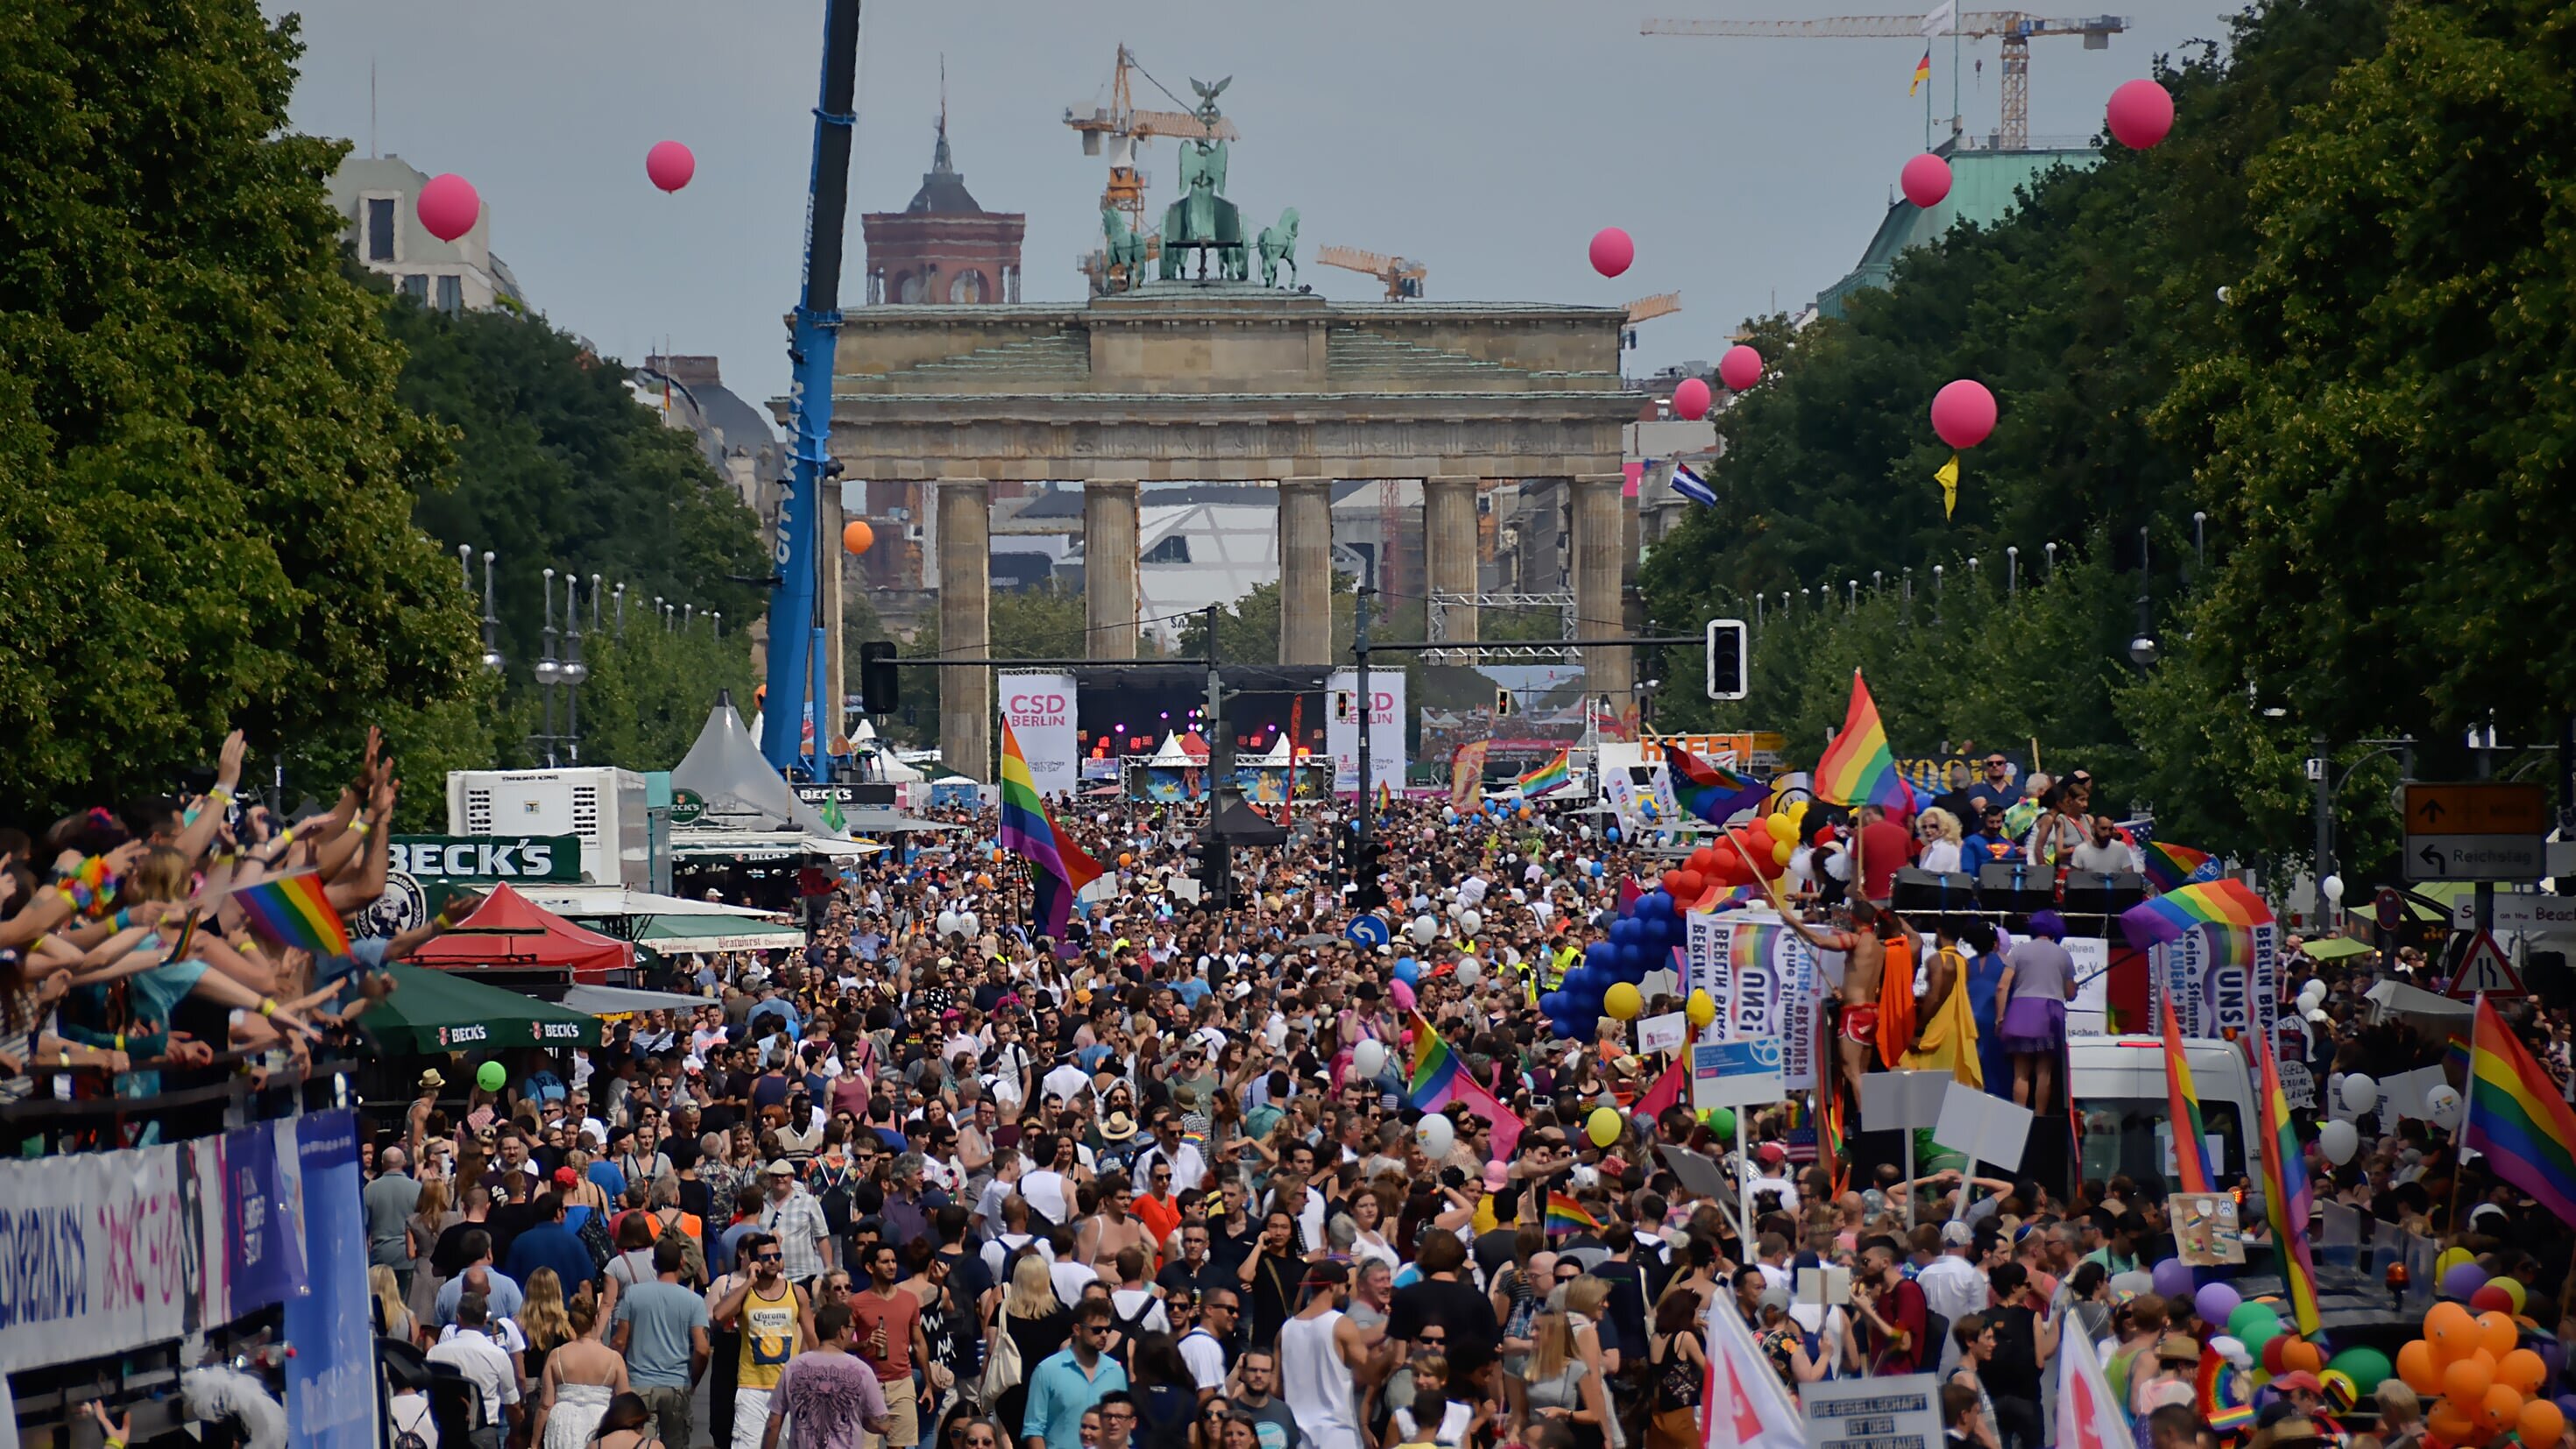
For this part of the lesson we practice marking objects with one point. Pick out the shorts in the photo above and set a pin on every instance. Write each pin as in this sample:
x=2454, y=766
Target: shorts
x=1860, y=1024
x=903, y=1421
x=670, y=1406
x=750, y=1417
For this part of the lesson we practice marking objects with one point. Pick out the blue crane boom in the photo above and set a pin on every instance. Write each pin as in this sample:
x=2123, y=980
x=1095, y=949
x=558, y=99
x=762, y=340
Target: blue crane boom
x=796, y=633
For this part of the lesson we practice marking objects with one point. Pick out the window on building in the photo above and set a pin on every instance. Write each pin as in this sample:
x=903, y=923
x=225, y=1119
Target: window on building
x=380, y=228
x=451, y=295
x=908, y=288
x=968, y=287
x=415, y=285
x=1174, y=549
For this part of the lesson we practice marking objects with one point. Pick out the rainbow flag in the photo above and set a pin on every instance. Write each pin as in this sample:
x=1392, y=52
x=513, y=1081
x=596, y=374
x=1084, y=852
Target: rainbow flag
x=1556, y=774
x=1565, y=1215
x=2228, y=904
x=2171, y=867
x=1030, y=834
x=2517, y=1117
x=1437, y=1078
x=1385, y=797
x=1858, y=768
x=2182, y=1102
x=1711, y=792
x=292, y=910
x=1922, y=73
x=2287, y=1202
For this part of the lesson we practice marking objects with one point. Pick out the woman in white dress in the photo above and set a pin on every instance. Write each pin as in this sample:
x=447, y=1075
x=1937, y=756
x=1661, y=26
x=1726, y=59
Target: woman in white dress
x=580, y=1378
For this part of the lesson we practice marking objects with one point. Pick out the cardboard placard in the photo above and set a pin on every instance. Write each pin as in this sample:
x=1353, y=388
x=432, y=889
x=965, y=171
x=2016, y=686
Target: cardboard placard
x=2206, y=1233
x=1899, y=1412
x=1697, y=1175
x=1665, y=1033
x=1902, y=1100
x=1743, y=1073
x=1824, y=1287
x=1987, y=1128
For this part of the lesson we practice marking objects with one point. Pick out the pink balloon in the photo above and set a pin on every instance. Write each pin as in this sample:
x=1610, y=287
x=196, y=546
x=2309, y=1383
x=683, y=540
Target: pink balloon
x=1612, y=251
x=1690, y=400
x=1925, y=180
x=1402, y=993
x=670, y=165
x=1740, y=368
x=1963, y=413
x=448, y=206
x=2140, y=113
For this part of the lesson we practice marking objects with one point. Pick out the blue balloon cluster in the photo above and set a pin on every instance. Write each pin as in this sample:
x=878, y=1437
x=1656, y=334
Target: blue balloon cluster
x=1641, y=938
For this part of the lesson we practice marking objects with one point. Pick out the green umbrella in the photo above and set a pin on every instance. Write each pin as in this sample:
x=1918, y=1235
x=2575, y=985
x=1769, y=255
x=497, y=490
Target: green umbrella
x=2336, y=948
x=433, y=1011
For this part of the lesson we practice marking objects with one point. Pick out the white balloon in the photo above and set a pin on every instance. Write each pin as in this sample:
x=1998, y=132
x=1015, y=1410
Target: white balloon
x=947, y=923
x=967, y=924
x=2442, y=1106
x=1368, y=1059
x=1469, y=973
x=1436, y=1135
x=1470, y=921
x=2312, y=993
x=2338, y=1141
x=2360, y=1093
x=2133, y=1282
x=1424, y=929
x=1457, y=909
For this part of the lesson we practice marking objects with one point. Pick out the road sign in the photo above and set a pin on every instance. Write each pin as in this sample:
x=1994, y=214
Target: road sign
x=2390, y=908
x=1367, y=930
x=2485, y=970
x=2532, y=915
x=2474, y=830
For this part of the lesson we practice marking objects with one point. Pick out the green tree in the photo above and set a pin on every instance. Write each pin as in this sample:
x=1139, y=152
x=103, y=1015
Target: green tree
x=206, y=476
x=1021, y=624
x=650, y=689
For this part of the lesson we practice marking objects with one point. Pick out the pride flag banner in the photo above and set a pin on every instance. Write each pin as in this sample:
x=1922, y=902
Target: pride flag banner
x=2287, y=1203
x=1858, y=768
x=1029, y=833
x=1436, y=1078
x=2229, y=904
x=2182, y=1100
x=1556, y=774
x=2518, y=1118
x=292, y=910
x=1711, y=792
x=2171, y=867
x=1565, y=1215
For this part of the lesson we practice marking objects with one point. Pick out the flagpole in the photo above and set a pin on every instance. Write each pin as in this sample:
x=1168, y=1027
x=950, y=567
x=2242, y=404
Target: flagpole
x=2468, y=1094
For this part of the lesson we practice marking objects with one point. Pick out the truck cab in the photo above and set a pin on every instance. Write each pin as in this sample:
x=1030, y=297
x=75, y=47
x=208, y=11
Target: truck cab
x=2118, y=1086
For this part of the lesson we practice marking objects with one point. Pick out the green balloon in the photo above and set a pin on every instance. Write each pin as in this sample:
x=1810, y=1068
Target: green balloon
x=2253, y=1321
x=1721, y=1121
x=2366, y=1366
x=491, y=1077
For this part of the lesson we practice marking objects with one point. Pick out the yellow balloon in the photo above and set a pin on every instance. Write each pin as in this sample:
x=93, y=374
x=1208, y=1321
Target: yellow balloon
x=1701, y=1009
x=1781, y=850
x=1623, y=1001
x=1604, y=1126
x=2451, y=1258
x=1779, y=827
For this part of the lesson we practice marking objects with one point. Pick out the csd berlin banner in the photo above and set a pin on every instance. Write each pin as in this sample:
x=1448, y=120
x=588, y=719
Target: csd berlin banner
x=1385, y=726
x=1040, y=708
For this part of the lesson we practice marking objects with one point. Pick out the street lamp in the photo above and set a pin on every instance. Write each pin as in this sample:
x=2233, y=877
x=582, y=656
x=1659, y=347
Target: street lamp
x=491, y=622
x=2012, y=569
x=2142, y=651
x=549, y=670
x=574, y=671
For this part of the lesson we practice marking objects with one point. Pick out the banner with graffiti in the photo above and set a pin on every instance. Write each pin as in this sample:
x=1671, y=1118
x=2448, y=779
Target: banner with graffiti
x=1764, y=981
x=97, y=1255
x=2222, y=981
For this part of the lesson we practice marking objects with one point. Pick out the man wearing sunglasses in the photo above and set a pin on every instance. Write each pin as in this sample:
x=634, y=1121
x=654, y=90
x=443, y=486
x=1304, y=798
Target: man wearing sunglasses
x=1070, y=1381
x=774, y=1320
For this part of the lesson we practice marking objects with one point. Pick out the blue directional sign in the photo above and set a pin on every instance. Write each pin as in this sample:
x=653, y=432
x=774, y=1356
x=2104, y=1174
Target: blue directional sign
x=1368, y=930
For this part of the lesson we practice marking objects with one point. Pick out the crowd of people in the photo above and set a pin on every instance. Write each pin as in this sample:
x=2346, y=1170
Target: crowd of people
x=934, y=1180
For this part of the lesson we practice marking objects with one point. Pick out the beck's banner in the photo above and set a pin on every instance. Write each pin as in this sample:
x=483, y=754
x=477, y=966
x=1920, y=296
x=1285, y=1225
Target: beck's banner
x=1764, y=981
x=1385, y=726
x=1040, y=708
x=2222, y=981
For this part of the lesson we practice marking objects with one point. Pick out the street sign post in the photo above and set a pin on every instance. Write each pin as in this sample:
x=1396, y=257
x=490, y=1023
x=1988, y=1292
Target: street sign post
x=2485, y=971
x=2480, y=830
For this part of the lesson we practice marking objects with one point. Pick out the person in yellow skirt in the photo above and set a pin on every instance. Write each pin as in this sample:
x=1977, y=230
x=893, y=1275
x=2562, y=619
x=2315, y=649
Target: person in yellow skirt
x=1945, y=1033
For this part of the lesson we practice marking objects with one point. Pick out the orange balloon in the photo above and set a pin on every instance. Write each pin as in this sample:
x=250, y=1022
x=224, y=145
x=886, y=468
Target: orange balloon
x=2452, y=1331
x=2500, y=1409
x=2523, y=1369
x=857, y=537
x=2541, y=1422
x=2448, y=1424
x=2301, y=1354
x=2466, y=1381
x=2498, y=1333
x=2418, y=1370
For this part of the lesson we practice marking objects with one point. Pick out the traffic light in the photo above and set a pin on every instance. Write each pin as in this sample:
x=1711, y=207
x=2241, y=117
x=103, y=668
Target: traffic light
x=879, y=690
x=1502, y=704
x=1369, y=866
x=1728, y=659
x=1215, y=875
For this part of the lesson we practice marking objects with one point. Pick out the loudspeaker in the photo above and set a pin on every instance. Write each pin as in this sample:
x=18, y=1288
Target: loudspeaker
x=2103, y=893
x=2016, y=887
x=1919, y=890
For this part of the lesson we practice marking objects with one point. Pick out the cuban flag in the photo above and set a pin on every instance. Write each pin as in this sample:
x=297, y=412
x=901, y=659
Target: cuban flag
x=1692, y=486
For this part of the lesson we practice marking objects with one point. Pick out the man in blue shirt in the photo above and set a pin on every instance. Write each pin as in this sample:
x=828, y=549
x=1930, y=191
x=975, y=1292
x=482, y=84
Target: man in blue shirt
x=1991, y=842
x=550, y=1244
x=1069, y=1381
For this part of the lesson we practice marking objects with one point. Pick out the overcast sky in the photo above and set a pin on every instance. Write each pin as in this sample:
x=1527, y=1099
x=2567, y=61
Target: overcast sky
x=1488, y=140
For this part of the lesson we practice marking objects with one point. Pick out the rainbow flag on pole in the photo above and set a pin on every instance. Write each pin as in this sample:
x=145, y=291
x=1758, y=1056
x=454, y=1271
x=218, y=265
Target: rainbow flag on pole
x=2518, y=1118
x=2171, y=867
x=1711, y=792
x=2287, y=1202
x=1057, y=866
x=2228, y=904
x=2182, y=1102
x=1858, y=768
x=1436, y=1078
x=1556, y=774
x=292, y=910
x=1565, y=1215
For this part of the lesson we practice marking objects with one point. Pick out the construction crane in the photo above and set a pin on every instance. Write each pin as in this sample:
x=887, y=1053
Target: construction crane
x=1119, y=128
x=1403, y=278
x=2015, y=28
x=1647, y=309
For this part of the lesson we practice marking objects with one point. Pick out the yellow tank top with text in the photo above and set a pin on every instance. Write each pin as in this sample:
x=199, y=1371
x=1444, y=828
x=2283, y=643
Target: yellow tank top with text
x=771, y=1335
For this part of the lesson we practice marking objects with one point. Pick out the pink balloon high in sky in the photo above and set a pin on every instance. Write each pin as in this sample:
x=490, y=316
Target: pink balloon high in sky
x=1612, y=251
x=1690, y=400
x=448, y=206
x=1925, y=179
x=1963, y=413
x=1740, y=368
x=670, y=165
x=2140, y=114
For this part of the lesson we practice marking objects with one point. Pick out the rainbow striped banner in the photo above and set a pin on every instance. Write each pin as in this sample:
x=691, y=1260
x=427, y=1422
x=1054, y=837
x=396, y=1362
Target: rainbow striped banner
x=1028, y=833
x=2287, y=1203
x=2182, y=1100
x=1858, y=768
x=2226, y=903
x=1565, y=1215
x=2171, y=867
x=293, y=910
x=2517, y=1117
x=1556, y=774
x=1437, y=1078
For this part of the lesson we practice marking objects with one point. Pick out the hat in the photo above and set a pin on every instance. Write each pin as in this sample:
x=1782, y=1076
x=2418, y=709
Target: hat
x=1497, y=1177
x=1117, y=1127
x=779, y=1168
x=1770, y=1152
x=2178, y=1348
x=566, y=1177
x=432, y=1080
x=1328, y=1271
x=2298, y=1379
x=1957, y=1234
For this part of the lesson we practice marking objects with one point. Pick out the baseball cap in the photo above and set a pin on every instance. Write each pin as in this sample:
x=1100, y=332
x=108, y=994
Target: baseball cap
x=1771, y=1152
x=779, y=1168
x=1497, y=1177
x=2298, y=1379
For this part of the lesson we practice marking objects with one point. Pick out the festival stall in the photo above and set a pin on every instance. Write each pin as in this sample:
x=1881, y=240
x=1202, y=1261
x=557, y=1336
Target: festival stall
x=512, y=941
x=1174, y=773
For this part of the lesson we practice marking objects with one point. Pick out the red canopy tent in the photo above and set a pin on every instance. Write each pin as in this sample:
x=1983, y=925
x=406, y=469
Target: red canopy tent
x=508, y=932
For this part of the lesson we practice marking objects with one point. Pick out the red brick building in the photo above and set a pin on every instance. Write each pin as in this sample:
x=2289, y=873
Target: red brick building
x=943, y=248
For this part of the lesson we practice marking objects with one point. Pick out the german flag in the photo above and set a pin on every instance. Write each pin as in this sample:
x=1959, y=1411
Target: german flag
x=1922, y=73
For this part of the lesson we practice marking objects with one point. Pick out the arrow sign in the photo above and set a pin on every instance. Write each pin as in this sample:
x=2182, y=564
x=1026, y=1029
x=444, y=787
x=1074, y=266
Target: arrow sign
x=2432, y=859
x=2432, y=811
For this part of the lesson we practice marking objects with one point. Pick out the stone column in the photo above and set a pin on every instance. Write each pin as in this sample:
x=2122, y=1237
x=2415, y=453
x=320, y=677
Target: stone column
x=1305, y=571
x=1449, y=554
x=832, y=566
x=965, y=625
x=1109, y=588
x=1600, y=537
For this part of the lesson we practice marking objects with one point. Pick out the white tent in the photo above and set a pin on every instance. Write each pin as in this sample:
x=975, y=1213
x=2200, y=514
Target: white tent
x=891, y=770
x=742, y=793
x=1276, y=757
x=1171, y=756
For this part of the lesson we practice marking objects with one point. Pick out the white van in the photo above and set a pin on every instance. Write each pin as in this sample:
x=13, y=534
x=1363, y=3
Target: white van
x=2119, y=1089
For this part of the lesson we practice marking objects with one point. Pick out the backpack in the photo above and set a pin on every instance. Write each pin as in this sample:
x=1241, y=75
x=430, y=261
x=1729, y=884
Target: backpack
x=834, y=1195
x=408, y=1436
x=1002, y=1365
x=595, y=1241
x=1130, y=1330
